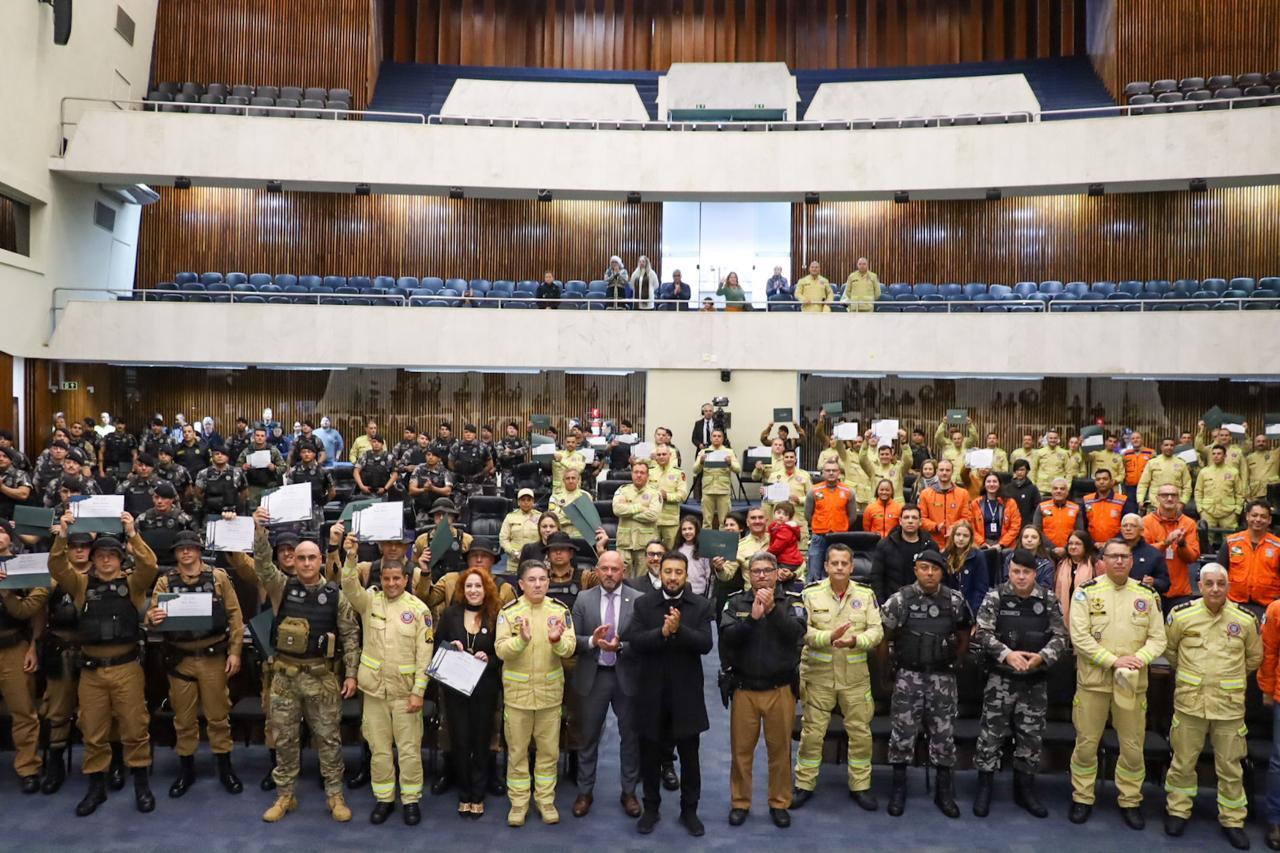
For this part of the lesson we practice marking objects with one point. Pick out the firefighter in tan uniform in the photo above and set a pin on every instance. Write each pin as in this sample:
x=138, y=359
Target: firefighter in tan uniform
x=1213, y=646
x=717, y=480
x=673, y=487
x=398, y=642
x=1052, y=460
x=1235, y=457
x=844, y=625
x=534, y=635
x=1117, y=632
x=1161, y=470
x=799, y=484
x=638, y=506
x=1219, y=492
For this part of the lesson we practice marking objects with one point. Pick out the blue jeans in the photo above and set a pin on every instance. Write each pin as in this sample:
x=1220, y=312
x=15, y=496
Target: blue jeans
x=817, y=557
x=1273, y=769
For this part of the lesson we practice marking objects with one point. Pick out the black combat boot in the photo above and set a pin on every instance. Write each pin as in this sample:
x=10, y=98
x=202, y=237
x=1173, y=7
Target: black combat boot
x=1024, y=794
x=186, y=776
x=94, y=797
x=142, y=796
x=115, y=776
x=445, y=780
x=226, y=774
x=55, y=770
x=982, y=799
x=944, y=792
x=359, y=776
x=268, y=782
x=898, y=794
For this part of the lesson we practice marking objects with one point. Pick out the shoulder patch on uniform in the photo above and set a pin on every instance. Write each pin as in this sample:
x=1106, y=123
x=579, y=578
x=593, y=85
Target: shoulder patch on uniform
x=511, y=605
x=814, y=584
x=1183, y=606
x=1089, y=582
x=1236, y=608
x=1148, y=588
x=1079, y=595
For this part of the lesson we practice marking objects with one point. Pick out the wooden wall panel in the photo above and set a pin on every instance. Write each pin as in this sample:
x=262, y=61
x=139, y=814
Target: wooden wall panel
x=1172, y=235
x=394, y=397
x=1014, y=407
x=329, y=43
x=8, y=402
x=1154, y=39
x=337, y=234
x=652, y=34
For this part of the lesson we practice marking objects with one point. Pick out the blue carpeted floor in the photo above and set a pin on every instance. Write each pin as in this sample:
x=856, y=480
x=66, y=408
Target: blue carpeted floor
x=208, y=819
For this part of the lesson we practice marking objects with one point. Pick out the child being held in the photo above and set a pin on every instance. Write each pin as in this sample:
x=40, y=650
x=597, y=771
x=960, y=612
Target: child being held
x=784, y=537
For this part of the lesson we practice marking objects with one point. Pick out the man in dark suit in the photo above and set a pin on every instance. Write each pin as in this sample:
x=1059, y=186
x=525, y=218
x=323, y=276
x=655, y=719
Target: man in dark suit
x=680, y=290
x=605, y=676
x=702, y=427
x=669, y=632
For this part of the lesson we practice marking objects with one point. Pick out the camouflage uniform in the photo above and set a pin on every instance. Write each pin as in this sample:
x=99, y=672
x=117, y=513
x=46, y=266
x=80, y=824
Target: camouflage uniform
x=924, y=690
x=1015, y=703
x=308, y=691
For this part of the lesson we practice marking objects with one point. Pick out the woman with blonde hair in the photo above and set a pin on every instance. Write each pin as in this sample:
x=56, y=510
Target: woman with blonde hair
x=644, y=283
x=966, y=565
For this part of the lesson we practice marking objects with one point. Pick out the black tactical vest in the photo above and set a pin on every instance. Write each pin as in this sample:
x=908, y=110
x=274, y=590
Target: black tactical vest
x=261, y=477
x=469, y=458
x=137, y=495
x=204, y=583
x=1022, y=624
x=108, y=615
x=63, y=614
x=160, y=531
x=566, y=592
x=220, y=491
x=376, y=470
x=926, y=640
x=318, y=608
x=315, y=478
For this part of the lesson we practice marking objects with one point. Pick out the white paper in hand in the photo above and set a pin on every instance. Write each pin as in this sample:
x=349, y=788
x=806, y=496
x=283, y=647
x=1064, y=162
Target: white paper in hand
x=759, y=452
x=642, y=450
x=456, y=669
x=1273, y=430
x=289, y=503
x=627, y=438
x=189, y=604
x=716, y=456
x=777, y=492
x=848, y=431
x=544, y=450
x=382, y=522
x=588, y=454
x=98, y=506
x=1189, y=456
x=260, y=459
x=887, y=428
x=978, y=459
x=1234, y=429
x=234, y=534
x=1091, y=441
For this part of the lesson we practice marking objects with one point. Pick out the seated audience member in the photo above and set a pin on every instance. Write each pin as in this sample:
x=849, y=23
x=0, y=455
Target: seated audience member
x=708, y=305
x=548, y=292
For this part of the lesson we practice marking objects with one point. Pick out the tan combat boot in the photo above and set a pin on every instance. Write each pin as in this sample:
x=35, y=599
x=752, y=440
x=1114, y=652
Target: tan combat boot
x=549, y=813
x=516, y=816
x=284, y=804
x=338, y=808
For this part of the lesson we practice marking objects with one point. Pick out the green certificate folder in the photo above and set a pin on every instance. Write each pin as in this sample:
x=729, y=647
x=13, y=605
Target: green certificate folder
x=718, y=543
x=582, y=512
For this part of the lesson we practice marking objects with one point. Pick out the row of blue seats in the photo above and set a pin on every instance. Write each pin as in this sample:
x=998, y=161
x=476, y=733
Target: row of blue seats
x=479, y=286
x=1151, y=289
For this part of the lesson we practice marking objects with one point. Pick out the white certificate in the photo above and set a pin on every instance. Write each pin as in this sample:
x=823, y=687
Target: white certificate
x=848, y=431
x=626, y=438
x=260, y=459
x=1234, y=429
x=289, y=503
x=886, y=428
x=716, y=456
x=1273, y=430
x=544, y=450
x=189, y=604
x=1189, y=456
x=1095, y=440
x=759, y=452
x=777, y=492
x=600, y=441
x=381, y=522
x=642, y=450
x=984, y=458
x=234, y=534
x=456, y=669
x=26, y=571
x=98, y=506
x=588, y=454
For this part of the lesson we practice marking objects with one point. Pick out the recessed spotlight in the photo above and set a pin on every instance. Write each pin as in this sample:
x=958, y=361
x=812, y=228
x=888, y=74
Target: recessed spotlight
x=901, y=197
x=811, y=198
x=275, y=187
x=182, y=183
x=362, y=189
x=456, y=193
x=544, y=195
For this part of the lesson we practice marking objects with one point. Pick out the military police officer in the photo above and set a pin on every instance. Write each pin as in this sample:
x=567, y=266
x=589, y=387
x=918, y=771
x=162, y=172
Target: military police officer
x=200, y=661
x=160, y=525
x=1020, y=629
x=1117, y=632
x=638, y=506
x=398, y=641
x=844, y=624
x=929, y=626
x=1213, y=646
x=21, y=624
x=219, y=487
x=314, y=624
x=534, y=634
x=260, y=477
x=60, y=664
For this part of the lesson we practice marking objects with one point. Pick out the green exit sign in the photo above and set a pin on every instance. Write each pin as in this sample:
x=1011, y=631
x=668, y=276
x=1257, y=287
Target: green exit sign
x=70, y=386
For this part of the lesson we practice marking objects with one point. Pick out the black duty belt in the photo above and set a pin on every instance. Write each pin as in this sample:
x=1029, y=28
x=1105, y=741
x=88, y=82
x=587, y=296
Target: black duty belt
x=102, y=663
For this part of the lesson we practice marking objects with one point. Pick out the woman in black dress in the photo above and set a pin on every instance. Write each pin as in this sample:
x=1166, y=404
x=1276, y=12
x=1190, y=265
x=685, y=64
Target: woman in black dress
x=467, y=625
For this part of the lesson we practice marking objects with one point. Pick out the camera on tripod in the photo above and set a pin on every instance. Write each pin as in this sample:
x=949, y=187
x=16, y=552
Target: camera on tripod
x=721, y=419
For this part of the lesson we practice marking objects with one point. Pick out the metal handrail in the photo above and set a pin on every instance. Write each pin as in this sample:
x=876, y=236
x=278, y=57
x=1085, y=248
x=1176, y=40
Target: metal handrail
x=1110, y=110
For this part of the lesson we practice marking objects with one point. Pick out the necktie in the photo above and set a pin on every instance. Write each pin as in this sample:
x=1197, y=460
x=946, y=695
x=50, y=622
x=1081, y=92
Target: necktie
x=609, y=658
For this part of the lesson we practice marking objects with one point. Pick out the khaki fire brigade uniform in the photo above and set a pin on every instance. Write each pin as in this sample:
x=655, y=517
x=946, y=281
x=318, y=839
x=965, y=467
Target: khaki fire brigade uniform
x=837, y=678
x=638, y=511
x=1213, y=654
x=674, y=482
x=1160, y=471
x=1108, y=622
x=533, y=690
x=717, y=485
x=398, y=642
x=1220, y=496
x=519, y=528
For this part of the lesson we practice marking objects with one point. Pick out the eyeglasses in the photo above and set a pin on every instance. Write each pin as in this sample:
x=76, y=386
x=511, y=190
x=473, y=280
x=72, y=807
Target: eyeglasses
x=759, y=573
x=1170, y=495
x=654, y=553
x=1117, y=558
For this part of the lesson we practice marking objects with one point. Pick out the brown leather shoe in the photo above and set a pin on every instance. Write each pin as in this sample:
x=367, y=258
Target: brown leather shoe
x=582, y=805
x=631, y=805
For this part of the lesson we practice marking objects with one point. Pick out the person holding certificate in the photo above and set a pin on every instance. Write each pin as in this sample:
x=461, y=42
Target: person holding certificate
x=467, y=625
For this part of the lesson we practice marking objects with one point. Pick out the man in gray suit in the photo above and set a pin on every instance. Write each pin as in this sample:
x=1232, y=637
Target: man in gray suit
x=605, y=676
